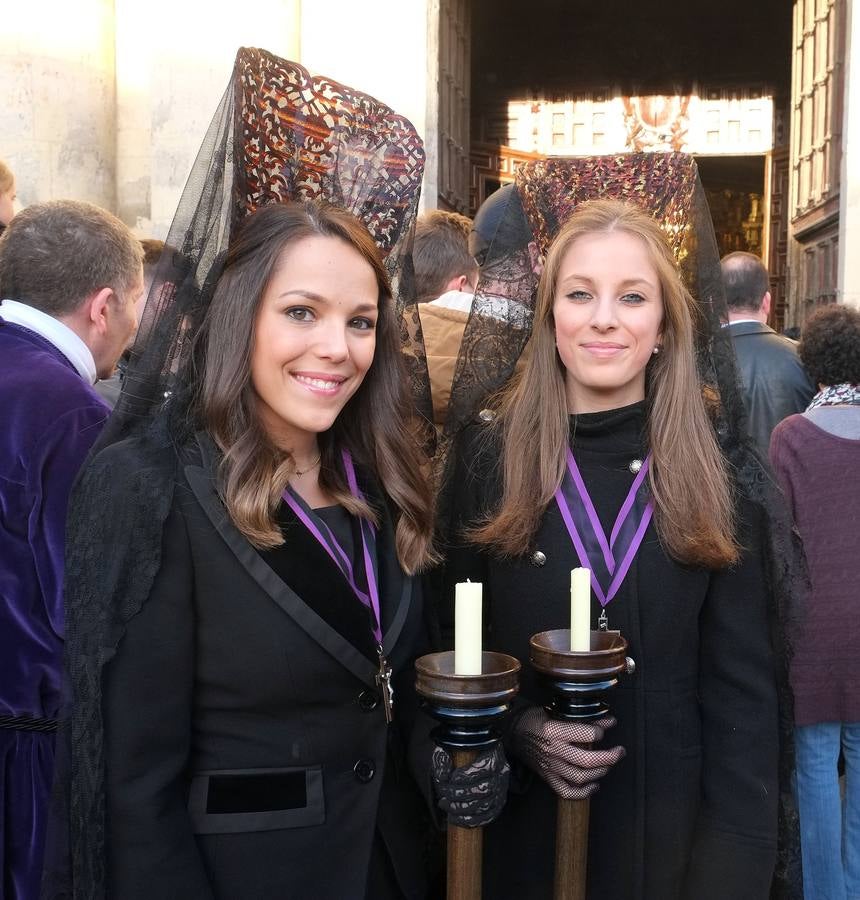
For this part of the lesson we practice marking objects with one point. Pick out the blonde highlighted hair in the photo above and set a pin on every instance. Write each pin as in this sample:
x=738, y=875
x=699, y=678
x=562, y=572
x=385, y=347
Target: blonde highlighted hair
x=688, y=478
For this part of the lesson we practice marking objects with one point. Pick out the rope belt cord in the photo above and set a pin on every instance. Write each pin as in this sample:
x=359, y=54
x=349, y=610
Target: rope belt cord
x=28, y=723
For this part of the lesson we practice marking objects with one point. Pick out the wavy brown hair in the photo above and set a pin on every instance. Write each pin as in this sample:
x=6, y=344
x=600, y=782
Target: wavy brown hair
x=688, y=478
x=375, y=426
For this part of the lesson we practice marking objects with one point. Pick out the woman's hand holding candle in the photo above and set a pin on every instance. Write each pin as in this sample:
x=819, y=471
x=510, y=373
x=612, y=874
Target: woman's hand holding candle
x=560, y=752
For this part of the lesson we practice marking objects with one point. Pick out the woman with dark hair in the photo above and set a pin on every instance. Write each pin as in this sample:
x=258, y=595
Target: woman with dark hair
x=814, y=455
x=608, y=423
x=241, y=602
x=245, y=711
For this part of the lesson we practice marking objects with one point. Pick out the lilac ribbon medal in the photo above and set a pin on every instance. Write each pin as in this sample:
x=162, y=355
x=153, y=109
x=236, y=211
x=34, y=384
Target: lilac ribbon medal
x=595, y=552
x=369, y=598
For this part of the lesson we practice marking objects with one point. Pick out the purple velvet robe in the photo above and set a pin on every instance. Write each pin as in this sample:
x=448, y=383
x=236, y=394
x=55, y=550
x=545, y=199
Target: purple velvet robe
x=49, y=419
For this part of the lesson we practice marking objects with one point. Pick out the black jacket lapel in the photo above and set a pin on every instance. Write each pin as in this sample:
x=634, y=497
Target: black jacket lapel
x=201, y=483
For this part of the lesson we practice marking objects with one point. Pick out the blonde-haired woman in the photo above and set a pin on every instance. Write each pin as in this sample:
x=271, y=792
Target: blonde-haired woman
x=7, y=195
x=603, y=455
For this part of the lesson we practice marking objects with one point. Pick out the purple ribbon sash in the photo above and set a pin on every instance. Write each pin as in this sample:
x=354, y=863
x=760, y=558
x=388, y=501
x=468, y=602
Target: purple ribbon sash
x=589, y=540
x=324, y=535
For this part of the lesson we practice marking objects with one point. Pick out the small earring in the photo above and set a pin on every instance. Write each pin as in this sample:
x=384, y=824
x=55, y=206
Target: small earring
x=656, y=350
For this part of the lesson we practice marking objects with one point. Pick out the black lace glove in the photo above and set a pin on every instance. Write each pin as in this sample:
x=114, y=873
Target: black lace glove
x=472, y=795
x=554, y=749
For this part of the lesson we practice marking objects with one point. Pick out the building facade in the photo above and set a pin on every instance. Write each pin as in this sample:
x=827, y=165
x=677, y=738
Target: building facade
x=108, y=100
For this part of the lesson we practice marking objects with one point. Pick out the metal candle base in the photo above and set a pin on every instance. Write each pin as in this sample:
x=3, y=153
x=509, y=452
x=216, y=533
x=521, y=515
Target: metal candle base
x=468, y=709
x=577, y=680
x=576, y=683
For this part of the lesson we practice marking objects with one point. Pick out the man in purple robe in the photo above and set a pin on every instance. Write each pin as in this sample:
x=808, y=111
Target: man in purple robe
x=70, y=274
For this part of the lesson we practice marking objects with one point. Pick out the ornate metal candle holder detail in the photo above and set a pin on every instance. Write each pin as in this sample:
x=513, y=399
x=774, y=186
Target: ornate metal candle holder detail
x=576, y=680
x=468, y=709
x=576, y=683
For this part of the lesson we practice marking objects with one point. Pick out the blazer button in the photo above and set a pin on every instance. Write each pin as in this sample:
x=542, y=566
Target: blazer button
x=368, y=700
x=364, y=770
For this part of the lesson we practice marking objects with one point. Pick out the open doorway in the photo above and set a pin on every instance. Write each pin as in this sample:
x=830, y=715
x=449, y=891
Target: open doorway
x=570, y=77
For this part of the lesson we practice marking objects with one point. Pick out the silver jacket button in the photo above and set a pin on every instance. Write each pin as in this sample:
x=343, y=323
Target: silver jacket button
x=635, y=466
x=538, y=558
x=486, y=415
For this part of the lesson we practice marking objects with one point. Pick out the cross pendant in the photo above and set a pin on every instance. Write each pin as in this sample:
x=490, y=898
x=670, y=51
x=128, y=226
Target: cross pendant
x=383, y=680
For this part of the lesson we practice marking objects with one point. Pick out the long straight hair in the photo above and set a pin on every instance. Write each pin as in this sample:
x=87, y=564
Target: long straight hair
x=688, y=478
x=375, y=425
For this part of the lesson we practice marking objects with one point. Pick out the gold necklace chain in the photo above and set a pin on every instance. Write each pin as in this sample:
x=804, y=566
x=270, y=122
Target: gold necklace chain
x=310, y=468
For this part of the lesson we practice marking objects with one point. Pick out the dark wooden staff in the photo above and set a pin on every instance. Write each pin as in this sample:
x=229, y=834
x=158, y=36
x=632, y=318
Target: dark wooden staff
x=468, y=709
x=576, y=683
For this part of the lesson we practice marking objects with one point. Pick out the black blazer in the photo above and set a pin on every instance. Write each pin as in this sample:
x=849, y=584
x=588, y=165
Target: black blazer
x=246, y=745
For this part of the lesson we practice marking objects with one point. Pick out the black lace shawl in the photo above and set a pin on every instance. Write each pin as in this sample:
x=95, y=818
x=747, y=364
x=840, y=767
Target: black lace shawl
x=278, y=134
x=668, y=187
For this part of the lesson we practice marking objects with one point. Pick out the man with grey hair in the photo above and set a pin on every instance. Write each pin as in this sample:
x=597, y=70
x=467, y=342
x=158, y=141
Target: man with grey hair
x=70, y=274
x=775, y=383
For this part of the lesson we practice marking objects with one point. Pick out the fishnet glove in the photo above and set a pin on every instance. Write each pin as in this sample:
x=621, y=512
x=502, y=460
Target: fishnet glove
x=471, y=795
x=559, y=751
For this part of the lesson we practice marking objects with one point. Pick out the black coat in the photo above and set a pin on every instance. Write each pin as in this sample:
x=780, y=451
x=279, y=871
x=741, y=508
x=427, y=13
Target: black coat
x=691, y=811
x=247, y=754
x=775, y=383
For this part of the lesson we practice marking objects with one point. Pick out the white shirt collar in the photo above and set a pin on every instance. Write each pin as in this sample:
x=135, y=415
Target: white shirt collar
x=739, y=321
x=461, y=300
x=54, y=331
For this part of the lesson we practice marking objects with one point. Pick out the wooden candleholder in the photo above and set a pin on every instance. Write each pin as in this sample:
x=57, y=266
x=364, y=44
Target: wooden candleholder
x=576, y=683
x=468, y=709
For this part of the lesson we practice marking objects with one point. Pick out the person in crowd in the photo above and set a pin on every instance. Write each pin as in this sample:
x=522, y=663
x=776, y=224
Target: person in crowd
x=109, y=388
x=246, y=748
x=811, y=453
x=441, y=257
x=455, y=319
x=445, y=278
x=775, y=383
x=241, y=668
x=488, y=218
x=8, y=196
x=70, y=275
x=608, y=423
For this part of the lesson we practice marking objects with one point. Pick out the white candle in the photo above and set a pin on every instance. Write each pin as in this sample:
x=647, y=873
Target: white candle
x=580, y=610
x=467, y=628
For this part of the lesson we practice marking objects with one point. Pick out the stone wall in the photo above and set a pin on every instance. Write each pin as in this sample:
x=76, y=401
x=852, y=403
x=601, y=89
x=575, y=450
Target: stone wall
x=58, y=110
x=108, y=100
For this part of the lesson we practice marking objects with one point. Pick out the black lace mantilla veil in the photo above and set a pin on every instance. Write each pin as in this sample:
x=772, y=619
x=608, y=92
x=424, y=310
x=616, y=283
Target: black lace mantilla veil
x=278, y=134
x=668, y=187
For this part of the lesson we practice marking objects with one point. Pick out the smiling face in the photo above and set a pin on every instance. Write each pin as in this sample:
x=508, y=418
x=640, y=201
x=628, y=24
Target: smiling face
x=314, y=338
x=608, y=313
